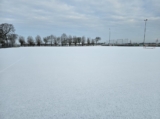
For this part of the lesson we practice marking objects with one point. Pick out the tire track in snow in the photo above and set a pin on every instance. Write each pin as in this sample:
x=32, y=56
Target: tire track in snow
x=1, y=71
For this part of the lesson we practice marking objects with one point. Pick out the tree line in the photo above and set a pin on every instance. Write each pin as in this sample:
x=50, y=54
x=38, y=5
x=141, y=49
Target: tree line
x=8, y=38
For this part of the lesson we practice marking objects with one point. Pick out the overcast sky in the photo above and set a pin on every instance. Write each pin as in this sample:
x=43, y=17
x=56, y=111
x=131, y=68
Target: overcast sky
x=88, y=18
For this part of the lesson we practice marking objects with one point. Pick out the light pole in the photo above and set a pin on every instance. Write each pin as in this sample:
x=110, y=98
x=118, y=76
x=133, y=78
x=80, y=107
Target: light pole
x=144, y=31
x=109, y=35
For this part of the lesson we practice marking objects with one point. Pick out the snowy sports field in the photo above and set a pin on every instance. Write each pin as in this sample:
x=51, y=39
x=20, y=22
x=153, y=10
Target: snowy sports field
x=79, y=83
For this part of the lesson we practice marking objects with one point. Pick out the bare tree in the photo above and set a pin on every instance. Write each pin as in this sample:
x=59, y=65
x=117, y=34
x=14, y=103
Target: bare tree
x=45, y=39
x=75, y=40
x=12, y=38
x=83, y=40
x=58, y=40
x=1, y=32
x=97, y=39
x=30, y=40
x=1, y=36
x=66, y=41
x=88, y=41
x=2, y=42
x=63, y=39
x=55, y=40
x=70, y=40
x=21, y=40
x=79, y=40
x=51, y=37
x=93, y=42
x=6, y=29
x=38, y=40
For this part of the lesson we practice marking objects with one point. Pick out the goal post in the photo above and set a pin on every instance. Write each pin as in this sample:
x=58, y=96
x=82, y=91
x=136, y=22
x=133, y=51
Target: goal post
x=112, y=42
x=119, y=42
x=125, y=42
x=151, y=45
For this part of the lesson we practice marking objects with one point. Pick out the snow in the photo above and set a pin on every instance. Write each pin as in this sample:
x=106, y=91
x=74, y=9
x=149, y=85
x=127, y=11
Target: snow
x=79, y=82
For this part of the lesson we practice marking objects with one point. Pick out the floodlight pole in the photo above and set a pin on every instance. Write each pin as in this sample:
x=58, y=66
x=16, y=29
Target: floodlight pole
x=144, y=31
x=109, y=35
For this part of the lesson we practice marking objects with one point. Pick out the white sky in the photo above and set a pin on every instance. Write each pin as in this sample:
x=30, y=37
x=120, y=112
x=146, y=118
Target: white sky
x=84, y=18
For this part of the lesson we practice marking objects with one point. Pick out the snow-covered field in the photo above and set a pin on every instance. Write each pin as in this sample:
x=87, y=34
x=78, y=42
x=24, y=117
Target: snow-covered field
x=80, y=82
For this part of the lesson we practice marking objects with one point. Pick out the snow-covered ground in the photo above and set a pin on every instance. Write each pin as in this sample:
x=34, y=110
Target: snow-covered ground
x=80, y=82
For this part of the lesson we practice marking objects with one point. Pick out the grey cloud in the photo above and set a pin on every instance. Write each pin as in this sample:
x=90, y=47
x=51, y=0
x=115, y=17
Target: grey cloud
x=82, y=14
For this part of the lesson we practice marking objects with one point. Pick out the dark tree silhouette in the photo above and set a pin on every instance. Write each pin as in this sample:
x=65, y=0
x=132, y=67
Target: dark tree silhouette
x=51, y=39
x=88, y=41
x=75, y=40
x=55, y=40
x=97, y=39
x=70, y=40
x=21, y=40
x=58, y=40
x=2, y=42
x=93, y=42
x=45, y=39
x=63, y=39
x=83, y=41
x=79, y=40
x=38, y=40
x=6, y=29
x=30, y=40
x=12, y=38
